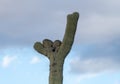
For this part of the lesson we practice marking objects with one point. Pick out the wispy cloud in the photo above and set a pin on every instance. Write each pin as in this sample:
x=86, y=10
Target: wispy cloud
x=7, y=60
x=34, y=60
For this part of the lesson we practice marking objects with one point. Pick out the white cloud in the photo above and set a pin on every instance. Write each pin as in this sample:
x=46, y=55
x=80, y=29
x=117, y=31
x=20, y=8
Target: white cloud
x=7, y=60
x=85, y=76
x=77, y=78
x=35, y=60
x=94, y=65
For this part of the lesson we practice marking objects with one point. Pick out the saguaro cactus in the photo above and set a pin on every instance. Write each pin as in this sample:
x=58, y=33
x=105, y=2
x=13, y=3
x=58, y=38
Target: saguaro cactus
x=57, y=51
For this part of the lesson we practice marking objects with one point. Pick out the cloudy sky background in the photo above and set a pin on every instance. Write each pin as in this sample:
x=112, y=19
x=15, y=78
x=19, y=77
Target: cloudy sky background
x=95, y=55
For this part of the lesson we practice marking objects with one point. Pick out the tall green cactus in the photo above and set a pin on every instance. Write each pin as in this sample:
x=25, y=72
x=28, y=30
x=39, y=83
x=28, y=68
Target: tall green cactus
x=57, y=51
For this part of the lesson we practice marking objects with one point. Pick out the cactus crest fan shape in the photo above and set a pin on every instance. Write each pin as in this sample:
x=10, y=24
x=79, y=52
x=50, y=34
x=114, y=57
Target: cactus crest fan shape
x=57, y=51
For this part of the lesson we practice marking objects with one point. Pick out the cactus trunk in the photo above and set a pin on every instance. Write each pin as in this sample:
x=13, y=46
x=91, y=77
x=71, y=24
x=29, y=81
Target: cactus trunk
x=56, y=71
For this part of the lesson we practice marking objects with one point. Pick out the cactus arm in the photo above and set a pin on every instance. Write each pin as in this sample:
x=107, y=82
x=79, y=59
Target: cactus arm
x=68, y=39
x=39, y=48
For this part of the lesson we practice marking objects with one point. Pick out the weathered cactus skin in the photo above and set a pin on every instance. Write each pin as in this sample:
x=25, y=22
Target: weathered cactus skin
x=57, y=51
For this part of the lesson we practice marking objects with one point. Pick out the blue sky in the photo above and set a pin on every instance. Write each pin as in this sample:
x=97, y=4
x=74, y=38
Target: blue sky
x=95, y=55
